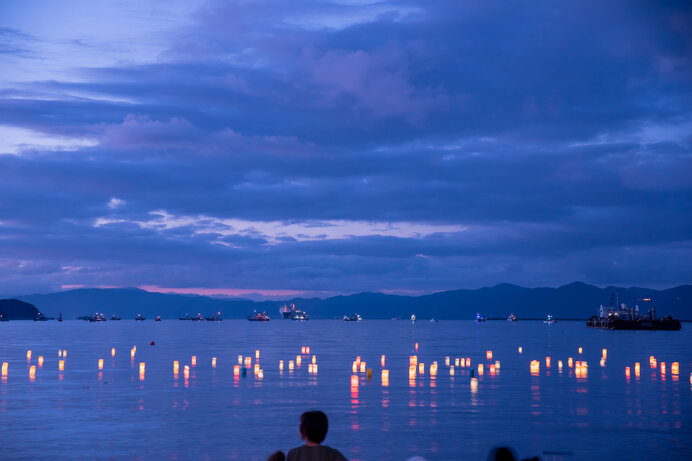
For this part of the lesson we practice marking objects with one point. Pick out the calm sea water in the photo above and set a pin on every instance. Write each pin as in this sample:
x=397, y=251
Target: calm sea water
x=87, y=413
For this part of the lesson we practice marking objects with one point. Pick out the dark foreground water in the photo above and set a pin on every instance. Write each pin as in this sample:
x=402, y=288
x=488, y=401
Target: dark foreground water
x=84, y=413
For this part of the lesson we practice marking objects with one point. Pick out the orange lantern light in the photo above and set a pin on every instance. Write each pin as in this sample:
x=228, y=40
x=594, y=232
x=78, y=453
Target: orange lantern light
x=580, y=350
x=480, y=369
x=627, y=372
x=547, y=362
x=240, y=360
x=451, y=371
x=213, y=362
x=40, y=361
x=100, y=364
x=61, y=365
x=314, y=359
x=413, y=360
x=468, y=362
x=193, y=361
x=257, y=354
x=521, y=350
x=362, y=367
x=112, y=351
x=663, y=368
x=447, y=361
x=382, y=361
x=489, y=355
x=4, y=368
x=675, y=368
x=535, y=367
x=291, y=365
x=421, y=368
x=569, y=362
x=176, y=367
x=28, y=355
x=281, y=365
x=299, y=359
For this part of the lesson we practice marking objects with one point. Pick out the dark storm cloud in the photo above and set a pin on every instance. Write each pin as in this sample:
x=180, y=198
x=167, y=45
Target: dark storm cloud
x=546, y=142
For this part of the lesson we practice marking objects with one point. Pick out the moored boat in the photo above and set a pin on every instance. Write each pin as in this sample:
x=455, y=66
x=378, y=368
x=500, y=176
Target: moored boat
x=621, y=317
x=479, y=318
x=413, y=318
x=116, y=317
x=140, y=317
x=157, y=319
x=512, y=318
x=258, y=317
x=354, y=318
x=215, y=318
x=549, y=320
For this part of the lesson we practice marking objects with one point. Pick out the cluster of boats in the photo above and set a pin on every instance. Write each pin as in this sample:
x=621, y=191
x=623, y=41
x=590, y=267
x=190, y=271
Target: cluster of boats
x=198, y=318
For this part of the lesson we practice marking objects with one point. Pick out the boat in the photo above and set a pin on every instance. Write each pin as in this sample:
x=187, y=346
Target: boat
x=197, y=318
x=355, y=318
x=157, y=319
x=60, y=317
x=621, y=317
x=549, y=320
x=41, y=318
x=116, y=317
x=4, y=318
x=291, y=312
x=258, y=317
x=413, y=318
x=433, y=320
x=140, y=317
x=96, y=318
x=512, y=318
x=479, y=318
x=186, y=317
x=215, y=318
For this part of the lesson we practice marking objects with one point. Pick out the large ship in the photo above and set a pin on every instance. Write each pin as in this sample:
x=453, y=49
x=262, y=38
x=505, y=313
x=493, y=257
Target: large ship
x=621, y=317
x=291, y=312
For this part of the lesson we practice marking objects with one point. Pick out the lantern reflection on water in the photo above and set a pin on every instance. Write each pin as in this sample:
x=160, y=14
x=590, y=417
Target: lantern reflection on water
x=497, y=364
x=474, y=385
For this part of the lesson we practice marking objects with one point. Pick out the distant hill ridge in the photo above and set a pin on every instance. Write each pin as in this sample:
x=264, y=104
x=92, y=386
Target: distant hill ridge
x=576, y=300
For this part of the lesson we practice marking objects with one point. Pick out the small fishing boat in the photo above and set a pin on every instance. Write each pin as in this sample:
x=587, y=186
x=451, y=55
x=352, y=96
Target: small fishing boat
x=413, y=318
x=215, y=318
x=512, y=318
x=355, y=318
x=97, y=317
x=186, y=317
x=433, y=320
x=157, y=319
x=197, y=318
x=60, y=317
x=116, y=317
x=479, y=318
x=258, y=317
x=140, y=317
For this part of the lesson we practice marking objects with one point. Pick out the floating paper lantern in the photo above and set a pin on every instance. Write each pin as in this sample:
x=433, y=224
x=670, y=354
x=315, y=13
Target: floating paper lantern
x=559, y=365
x=497, y=364
x=675, y=368
x=354, y=381
x=193, y=361
x=468, y=362
x=637, y=369
x=61, y=365
x=112, y=351
x=260, y=374
x=28, y=355
x=290, y=365
x=299, y=359
x=413, y=360
x=257, y=354
x=385, y=378
x=100, y=364
x=186, y=372
x=236, y=370
x=368, y=373
x=521, y=350
x=605, y=353
x=603, y=362
x=240, y=360
x=382, y=360
x=654, y=364
x=355, y=367
x=257, y=368
x=489, y=355
x=627, y=372
x=64, y=353
x=580, y=350
x=141, y=368
x=447, y=361
x=358, y=360
x=314, y=369
x=456, y=362
x=480, y=369
x=451, y=371
x=4, y=368
x=176, y=367
x=281, y=365
x=309, y=368
x=307, y=350
x=663, y=368
x=59, y=352
x=32, y=372
x=492, y=370
x=433, y=369
x=474, y=385
x=547, y=362
x=421, y=368
x=40, y=361
x=462, y=362
x=213, y=362
x=132, y=353
x=314, y=359
x=248, y=362
x=535, y=367
x=416, y=347
x=569, y=362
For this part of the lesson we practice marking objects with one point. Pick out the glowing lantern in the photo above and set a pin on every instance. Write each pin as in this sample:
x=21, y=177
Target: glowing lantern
x=307, y=350
x=451, y=371
x=497, y=364
x=355, y=366
x=637, y=369
x=40, y=361
x=468, y=362
x=627, y=372
x=580, y=350
x=456, y=362
x=358, y=360
x=260, y=374
x=382, y=359
x=281, y=365
x=362, y=367
x=64, y=353
x=236, y=370
x=489, y=355
x=141, y=368
x=462, y=362
x=535, y=367
x=248, y=362
x=299, y=359
x=314, y=370
x=100, y=364
x=492, y=370
x=474, y=385
x=290, y=365
x=421, y=368
x=654, y=364
x=309, y=368
x=132, y=353
x=257, y=354
x=314, y=359
x=354, y=381
x=433, y=369
x=480, y=369
x=213, y=362
x=447, y=361
x=603, y=362
x=413, y=360
x=4, y=368
x=186, y=372
x=257, y=368
x=59, y=352
x=569, y=362
x=176, y=367
x=302, y=350
x=521, y=350
x=32, y=372
x=605, y=353
x=61, y=365
x=385, y=378
x=112, y=351
x=416, y=347
x=675, y=368
x=547, y=362
x=559, y=365
x=663, y=368
x=28, y=355
x=240, y=360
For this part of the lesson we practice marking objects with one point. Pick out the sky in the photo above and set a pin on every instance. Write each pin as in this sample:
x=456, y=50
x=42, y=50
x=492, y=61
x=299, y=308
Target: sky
x=318, y=147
